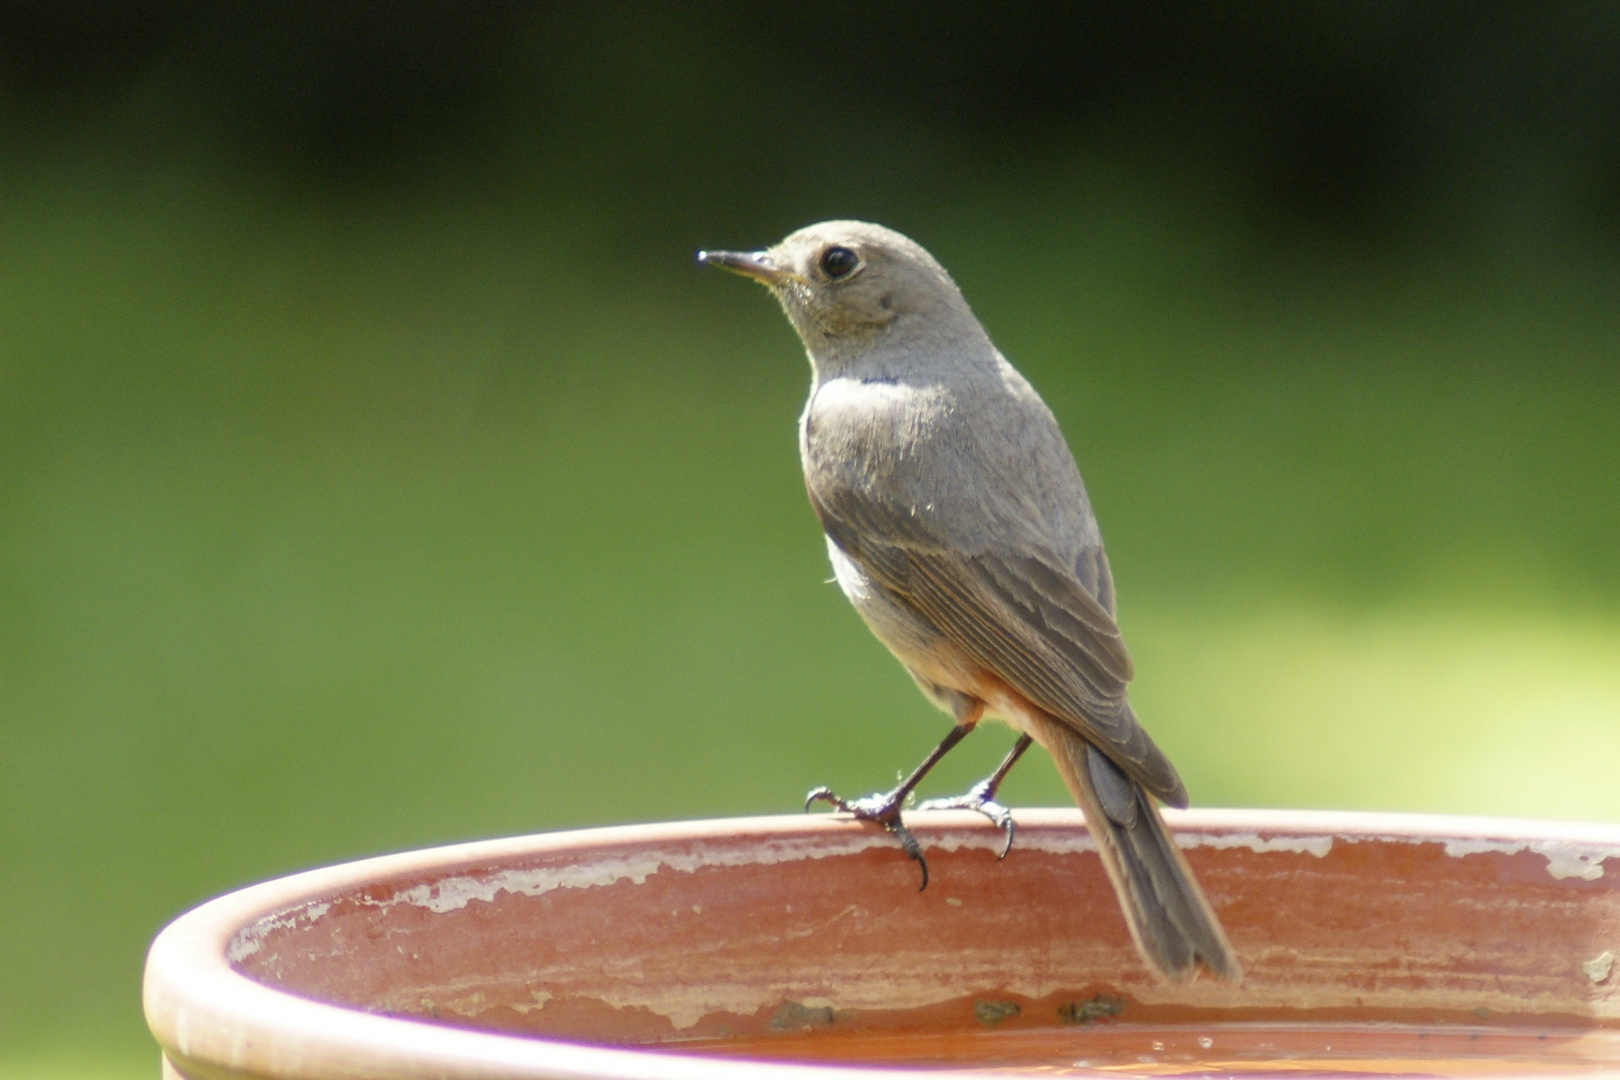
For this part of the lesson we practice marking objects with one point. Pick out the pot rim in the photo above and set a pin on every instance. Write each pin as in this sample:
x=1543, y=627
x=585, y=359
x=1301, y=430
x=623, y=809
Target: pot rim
x=208, y=1017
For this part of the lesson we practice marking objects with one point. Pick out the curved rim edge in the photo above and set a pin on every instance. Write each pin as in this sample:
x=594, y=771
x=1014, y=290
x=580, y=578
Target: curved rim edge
x=206, y=1015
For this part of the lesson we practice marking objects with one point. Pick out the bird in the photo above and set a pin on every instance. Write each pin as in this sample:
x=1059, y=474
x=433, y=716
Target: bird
x=958, y=526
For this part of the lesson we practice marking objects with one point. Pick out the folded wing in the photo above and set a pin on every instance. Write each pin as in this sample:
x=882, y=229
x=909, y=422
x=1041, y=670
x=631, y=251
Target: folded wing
x=1026, y=617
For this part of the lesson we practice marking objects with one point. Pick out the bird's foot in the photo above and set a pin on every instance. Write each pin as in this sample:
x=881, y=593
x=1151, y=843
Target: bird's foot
x=883, y=809
x=980, y=798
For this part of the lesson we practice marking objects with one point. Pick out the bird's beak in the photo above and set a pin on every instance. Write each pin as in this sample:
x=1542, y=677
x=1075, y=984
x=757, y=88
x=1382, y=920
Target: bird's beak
x=753, y=264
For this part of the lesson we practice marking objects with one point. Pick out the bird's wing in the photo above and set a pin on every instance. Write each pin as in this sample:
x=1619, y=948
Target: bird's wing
x=1026, y=618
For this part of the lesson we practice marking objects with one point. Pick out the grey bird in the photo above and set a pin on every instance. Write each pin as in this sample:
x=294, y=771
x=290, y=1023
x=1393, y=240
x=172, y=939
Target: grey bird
x=958, y=526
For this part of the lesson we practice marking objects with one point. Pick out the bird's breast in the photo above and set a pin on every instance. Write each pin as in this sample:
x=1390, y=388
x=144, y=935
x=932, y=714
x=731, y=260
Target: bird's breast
x=872, y=430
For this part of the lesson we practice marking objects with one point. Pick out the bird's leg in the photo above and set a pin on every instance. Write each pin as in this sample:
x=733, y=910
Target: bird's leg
x=884, y=808
x=982, y=796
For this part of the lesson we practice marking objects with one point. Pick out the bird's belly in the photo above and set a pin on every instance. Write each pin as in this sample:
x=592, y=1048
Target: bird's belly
x=1002, y=702
x=912, y=639
x=934, y=661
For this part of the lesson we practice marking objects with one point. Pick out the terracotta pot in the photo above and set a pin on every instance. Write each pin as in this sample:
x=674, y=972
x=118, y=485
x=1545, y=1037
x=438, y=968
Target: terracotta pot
x=801, y=947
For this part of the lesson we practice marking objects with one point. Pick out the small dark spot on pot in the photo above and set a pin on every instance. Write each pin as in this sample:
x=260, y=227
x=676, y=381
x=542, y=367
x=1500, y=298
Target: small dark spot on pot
x=795, y=1015
x=1097, y=1008
x=991, y=1013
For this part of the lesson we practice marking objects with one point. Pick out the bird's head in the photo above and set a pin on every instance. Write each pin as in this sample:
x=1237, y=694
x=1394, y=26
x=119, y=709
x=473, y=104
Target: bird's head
x=851, y=286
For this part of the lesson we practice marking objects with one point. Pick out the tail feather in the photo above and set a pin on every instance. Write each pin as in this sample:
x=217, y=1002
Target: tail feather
x=1171, y=922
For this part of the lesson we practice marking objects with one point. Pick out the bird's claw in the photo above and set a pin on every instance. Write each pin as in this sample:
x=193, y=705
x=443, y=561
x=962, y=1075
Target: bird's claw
x=826, y=795
x=882, y=809
x=980, y=799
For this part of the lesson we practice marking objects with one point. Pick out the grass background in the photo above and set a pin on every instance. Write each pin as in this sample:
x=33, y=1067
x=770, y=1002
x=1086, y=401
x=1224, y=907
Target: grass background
x=343, y=516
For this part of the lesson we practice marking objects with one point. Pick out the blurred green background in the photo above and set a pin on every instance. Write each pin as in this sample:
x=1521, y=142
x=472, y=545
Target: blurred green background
x=376, y=469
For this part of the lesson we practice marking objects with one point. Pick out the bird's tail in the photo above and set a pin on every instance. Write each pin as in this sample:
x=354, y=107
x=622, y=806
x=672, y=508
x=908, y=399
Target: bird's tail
x=1172, y=923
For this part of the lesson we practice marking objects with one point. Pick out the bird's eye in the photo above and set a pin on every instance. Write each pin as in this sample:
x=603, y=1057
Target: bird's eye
x=837, y=262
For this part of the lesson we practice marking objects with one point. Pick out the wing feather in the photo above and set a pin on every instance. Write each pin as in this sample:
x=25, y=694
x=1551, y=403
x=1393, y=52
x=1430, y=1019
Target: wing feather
x=1027, y=618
